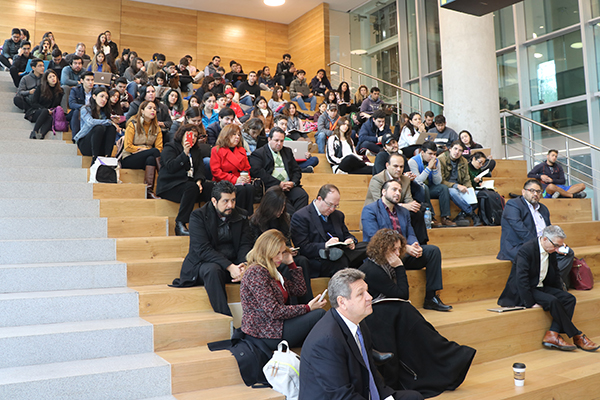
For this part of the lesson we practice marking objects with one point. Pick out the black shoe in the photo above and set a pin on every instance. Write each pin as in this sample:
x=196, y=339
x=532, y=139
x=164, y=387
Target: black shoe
x=32, y=135
x=476, y=219
x=461, y=219
x=331, y=254
x=381, y=358
x=180, y=229
x=307, y=170
x=435, y=303
x=580, y=195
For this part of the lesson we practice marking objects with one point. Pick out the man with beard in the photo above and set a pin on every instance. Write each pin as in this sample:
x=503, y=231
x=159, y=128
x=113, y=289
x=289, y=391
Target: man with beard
x=552, y=176
x=219, y=241
x=387, y=213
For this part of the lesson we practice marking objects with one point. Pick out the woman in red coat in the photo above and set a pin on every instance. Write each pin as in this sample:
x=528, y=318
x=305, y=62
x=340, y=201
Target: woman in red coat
x=265, y=293
x=228, y=161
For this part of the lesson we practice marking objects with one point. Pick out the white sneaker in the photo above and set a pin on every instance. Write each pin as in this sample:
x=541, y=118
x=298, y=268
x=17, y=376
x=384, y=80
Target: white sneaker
x=555, y=195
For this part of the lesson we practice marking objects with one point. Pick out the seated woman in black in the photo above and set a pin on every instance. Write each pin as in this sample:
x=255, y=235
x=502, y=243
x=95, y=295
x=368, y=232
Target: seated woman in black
x=117, y=109
x=272, y=214
x=46, y=98
x=181, y=177
x=424, y=360
x=265, y=294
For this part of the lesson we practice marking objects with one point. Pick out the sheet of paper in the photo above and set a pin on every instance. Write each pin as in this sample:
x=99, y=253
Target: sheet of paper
x=469, y=196
x=484, y=173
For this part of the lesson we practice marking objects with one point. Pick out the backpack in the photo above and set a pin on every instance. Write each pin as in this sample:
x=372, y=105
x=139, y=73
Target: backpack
x=59, y=120
x=491, y=206
x=283, y=371
x=104, y=170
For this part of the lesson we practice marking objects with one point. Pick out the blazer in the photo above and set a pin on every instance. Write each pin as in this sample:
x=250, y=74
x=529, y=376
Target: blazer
x=227, y=165
x=331, y=365
x=518, y=227
x=204, y=236
x=308, y=232
x=262, y=302
x=376, y=183
x=262, y=166
x=525, y=275
x=175, y=165
x=375, y=217
x=380, y=282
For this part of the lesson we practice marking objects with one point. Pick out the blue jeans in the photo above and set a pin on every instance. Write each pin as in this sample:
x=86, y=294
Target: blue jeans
x=458, y=200
x=441, y=193
x=247, y=101
x=300, y=100
x=207, y=171
x=321, y=139
x=132, y=89
x=311, y=162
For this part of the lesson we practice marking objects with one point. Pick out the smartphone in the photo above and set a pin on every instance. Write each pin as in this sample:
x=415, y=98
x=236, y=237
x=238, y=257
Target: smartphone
x=323, y=295
x=189, y=138
x=294, y=248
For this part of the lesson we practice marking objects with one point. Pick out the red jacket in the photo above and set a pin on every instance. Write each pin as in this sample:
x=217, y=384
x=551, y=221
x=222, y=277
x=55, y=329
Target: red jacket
x=227, y=165
x=262, y=302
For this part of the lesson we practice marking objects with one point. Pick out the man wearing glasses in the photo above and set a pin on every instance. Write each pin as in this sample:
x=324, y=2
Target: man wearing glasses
x=534, y=281
x=321, y=234
x=524, y=219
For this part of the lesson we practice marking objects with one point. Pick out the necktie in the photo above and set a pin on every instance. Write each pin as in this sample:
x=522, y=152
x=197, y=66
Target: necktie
x=324, y=218
x=363, y=352
x=279, y=168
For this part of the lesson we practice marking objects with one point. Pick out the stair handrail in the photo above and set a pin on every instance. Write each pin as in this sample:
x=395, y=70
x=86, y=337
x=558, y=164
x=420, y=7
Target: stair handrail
x=386, y=83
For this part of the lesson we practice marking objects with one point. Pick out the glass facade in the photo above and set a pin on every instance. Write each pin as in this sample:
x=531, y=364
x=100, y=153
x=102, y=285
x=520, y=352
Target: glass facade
x=508, y=81
x=545, y=16
x=504, y=28
x=432, y=26
x=412, y=40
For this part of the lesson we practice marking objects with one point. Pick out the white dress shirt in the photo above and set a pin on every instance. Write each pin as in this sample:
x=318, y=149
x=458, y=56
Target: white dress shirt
x=543, y=263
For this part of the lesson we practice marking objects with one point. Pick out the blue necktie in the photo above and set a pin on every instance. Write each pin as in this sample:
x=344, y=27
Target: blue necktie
x=323, y=217
x=363, y=351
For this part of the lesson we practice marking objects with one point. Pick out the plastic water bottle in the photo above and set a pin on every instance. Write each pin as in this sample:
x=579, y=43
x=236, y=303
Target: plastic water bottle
x=428, y=218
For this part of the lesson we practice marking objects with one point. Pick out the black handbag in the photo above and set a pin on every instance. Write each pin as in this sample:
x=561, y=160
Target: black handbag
x=259, y=189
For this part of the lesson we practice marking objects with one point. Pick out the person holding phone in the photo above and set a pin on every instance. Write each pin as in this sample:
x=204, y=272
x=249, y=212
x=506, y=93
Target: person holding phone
x=181, y=178
x=265, y=295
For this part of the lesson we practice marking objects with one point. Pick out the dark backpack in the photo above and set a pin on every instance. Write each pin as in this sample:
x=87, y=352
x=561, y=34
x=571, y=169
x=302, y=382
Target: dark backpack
x=491, y=206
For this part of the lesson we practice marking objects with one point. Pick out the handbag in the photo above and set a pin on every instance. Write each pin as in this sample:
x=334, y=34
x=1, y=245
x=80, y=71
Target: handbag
x=259, y=189
x=581, y=275
x=283, y=371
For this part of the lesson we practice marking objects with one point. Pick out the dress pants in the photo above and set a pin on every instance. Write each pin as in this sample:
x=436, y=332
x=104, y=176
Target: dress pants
x=350, y=259
x=245, y=197
x=187, y=195
x=561, y=305
x=295, y=330
x=214, y=278
x=417, y=221
x=431, y=259
x=296, y=199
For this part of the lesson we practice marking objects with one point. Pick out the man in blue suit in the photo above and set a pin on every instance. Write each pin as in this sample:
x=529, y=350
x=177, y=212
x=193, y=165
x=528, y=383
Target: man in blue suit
x=386, y=213
x=524, y=219
x=336, y=360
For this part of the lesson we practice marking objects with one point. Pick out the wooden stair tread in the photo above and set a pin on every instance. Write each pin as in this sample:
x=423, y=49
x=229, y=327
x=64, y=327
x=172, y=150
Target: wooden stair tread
x=232, y=392
x=186, y=317
x=193, y=354
x=119, y=191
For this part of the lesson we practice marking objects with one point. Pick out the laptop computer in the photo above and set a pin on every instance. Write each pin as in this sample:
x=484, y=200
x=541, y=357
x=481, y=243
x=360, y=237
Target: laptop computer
x=102, y=78
x=426, y=137
x=299, y=148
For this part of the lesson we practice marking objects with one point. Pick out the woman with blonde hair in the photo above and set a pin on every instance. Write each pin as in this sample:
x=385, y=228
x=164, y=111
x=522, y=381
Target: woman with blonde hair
x=228, y=161
x=143, y=144
x=265, y=295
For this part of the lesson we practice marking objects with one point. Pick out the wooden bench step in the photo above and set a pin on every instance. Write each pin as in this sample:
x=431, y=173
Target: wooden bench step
x=138, y=208
x=121, y=227
x=232, y=392
x=158, y=271
x=145, y=248
x=179, y=331
x=510, y=168
x=119, y=191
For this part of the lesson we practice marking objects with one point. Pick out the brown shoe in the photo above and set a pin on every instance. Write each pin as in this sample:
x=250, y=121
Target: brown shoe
x=435, y=223
x=584, y=343
x=553, y=340
x=447, y=222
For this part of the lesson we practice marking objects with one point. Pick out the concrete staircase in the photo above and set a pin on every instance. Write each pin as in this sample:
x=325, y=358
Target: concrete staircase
x=69, y=326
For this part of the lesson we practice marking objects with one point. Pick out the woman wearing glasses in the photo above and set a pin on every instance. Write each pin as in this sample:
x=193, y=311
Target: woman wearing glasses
x=181, y=178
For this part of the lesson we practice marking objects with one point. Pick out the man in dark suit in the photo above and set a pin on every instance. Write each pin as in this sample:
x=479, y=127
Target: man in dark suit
x=387, y=213
x=321, y=234
x=524, y=219
x=275, y=165
x=336, y=360
x=534, y=281
x=219, y=241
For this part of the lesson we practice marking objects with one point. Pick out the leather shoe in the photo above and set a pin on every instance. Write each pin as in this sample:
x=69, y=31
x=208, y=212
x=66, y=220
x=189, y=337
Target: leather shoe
x=435, y=223
x=331, y=254
x=180, y=229
x=584, y=343
x=381, y=358
x=553, y=340
x=435, y=303
x=447, y=222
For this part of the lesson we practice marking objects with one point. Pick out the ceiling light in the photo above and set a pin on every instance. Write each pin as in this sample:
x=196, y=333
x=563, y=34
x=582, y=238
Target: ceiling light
x=534, y=35
x=538, y=55
x=274, y=3
x=541, y=26
x=358, y=52
x=577, y=45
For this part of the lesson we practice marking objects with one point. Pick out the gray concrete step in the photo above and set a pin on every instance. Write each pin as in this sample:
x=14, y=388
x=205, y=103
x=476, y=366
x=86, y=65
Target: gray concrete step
x=133, y=377
x=71, y=341
x=15, y=134
x=14, y=120
x=52, y=228
x=43, y=147
x=42, y=190
x=15, y=278
x=53, y=307
x=50, y=207
x=40, y=160
x=56, y=250
x=30, y=174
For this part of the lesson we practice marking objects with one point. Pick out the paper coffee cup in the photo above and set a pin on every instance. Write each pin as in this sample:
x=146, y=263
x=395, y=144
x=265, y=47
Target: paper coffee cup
x=519, y=373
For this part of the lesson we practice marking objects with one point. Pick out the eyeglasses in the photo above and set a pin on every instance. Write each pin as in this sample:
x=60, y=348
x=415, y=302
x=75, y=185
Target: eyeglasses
x=331, y=205
x=534, y=191
x=553, y=244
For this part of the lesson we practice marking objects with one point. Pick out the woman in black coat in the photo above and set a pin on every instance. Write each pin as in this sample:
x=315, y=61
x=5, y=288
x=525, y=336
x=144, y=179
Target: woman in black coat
x=181, y=178
x=424, y=360
x=46, y=98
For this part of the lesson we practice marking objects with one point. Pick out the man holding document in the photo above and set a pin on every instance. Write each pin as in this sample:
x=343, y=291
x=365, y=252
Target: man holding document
x=455, y=175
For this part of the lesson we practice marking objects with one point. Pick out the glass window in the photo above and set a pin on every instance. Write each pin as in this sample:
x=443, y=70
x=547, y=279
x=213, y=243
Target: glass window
x=411, y=40
x=413, y=103
x=595, y=8
x=556, y=69
x=504, y=27
x=384, y=23
x=545, y=16
x=388, y=69
x=571, y=119
x=432, y=26
x=597, y=45
x=436, y=92
x=508, y=81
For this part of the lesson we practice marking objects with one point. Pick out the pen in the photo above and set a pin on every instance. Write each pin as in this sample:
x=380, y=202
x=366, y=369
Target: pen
x=330, y=235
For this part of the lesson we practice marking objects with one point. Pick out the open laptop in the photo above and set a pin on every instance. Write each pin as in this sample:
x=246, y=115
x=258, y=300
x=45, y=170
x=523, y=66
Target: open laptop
x=102, y=78
x=299, y=148
x=426, y=137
